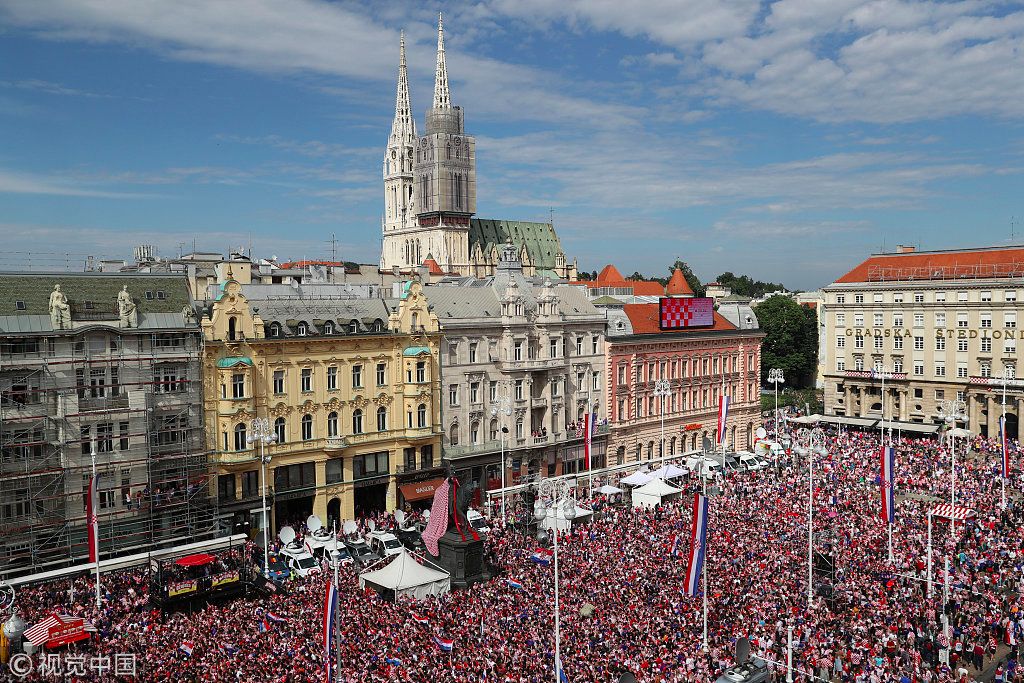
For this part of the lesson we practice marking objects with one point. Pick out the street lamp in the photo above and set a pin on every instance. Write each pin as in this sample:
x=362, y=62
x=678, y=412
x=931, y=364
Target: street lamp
x=815, y=444
x=776, y=377
x=952, y=411
x=662, y=389
x=501, y=405
x=262, y=435
x=552, y=493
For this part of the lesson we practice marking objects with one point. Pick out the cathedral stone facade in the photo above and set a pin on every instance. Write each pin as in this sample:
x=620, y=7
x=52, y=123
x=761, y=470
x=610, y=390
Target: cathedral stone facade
x=430, y=195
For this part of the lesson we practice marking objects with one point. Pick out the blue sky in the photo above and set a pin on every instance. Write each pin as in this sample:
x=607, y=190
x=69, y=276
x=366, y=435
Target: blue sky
x=783, y=139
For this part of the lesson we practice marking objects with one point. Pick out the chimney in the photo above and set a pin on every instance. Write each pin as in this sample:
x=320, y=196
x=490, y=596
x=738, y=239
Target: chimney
x=905, y=248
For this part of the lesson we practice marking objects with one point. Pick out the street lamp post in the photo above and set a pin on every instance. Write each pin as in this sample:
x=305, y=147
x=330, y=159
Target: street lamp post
x=662, y=389
x=552, y=493
x=776, y=377
x=502, y=406
x=815, y=445
x=262, y=435
x=952, y=411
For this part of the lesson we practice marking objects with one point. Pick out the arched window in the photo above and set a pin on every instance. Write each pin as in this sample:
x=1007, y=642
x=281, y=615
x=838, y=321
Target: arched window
x=382, y=419
x=232, y=327
x=275, y=329
x=493, y=431
x=474, y=432
x=519, y=428
x=332, y=424
x=415, y=320
x=650, y=450
x=672, y=446
x=301, y=329
x=421, y=416
x=240, y=433
x=328, y=327
x=357, y=421
x=453, y=434
x=353, y=327
x=307, y=427
x=279, y=430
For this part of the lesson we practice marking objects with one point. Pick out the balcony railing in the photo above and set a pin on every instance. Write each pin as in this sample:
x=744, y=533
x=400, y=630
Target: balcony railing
x=334, y=443
x=531, y=364
x=103, y=403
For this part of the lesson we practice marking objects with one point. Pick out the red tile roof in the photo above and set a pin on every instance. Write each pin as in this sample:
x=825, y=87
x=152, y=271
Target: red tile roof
x=678, y=286
x=938, y=265
x=433, y=266
x=645, y=320
x=610, y=277
x=609, y=274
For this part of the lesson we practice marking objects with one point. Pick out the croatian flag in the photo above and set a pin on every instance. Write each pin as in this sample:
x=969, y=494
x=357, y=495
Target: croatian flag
x=698, y=545
x=186, y=647
x=675, y=546
x=1004, y=446
x=562, y=678
x=541, y=556
x=723, y=415
x=276, y=619
x=330, y=611
x=515, y=584
x=420, y=619
x=888, y=484
x=263, y=626
x=589, y=424
x=92, y=521
x=444, y=643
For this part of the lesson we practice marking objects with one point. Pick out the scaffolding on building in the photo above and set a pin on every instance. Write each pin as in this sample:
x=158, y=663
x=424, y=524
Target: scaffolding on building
x=130, y=398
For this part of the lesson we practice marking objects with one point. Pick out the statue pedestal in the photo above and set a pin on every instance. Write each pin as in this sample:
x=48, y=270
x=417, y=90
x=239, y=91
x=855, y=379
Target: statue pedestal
x=464, y=560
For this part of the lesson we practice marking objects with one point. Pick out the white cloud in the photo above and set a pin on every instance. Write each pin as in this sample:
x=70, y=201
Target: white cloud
x=20, y=182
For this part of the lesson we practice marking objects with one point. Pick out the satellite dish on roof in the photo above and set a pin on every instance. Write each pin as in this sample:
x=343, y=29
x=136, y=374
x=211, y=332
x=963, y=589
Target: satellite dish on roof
x=761, y=432
x=372, y=526
x=349, y=527
x=287, y=535
x=314, y=524
x=400, y=518
x=742, y=651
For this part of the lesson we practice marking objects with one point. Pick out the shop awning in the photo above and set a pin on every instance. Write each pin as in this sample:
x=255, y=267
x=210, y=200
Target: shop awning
x=420, y=490
x=862, y=422
x=916, y=427
x=197, y=560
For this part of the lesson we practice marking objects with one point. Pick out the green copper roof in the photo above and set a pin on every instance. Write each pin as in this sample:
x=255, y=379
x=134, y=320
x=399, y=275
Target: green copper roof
x=236, y=360
x=540, y=239
x=416, y=351
x=91, y=293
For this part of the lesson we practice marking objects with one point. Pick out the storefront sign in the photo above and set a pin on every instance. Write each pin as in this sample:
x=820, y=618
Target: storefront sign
x=225, y=578
x=692, y=427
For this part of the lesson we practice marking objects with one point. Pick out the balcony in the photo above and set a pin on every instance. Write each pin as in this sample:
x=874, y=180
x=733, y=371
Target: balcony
x=233, y=457
x=335, y=443
x=100, y=403
x=541, y=440
x=469, y=450
x=871, y=374
x=531, y=364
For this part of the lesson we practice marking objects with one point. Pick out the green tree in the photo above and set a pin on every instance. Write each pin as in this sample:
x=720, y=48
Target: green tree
x=747, y=286
x=791, y=339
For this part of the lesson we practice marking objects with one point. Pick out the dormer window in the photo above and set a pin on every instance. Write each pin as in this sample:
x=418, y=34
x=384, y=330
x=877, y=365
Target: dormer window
x=353, y=327
x=275, y=329
x=302, y=329
x=519, y=308
x=378, y=326
x=328, y=327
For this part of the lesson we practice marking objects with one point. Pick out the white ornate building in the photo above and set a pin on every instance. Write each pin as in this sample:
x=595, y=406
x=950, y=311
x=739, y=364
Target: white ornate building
x=430, y=195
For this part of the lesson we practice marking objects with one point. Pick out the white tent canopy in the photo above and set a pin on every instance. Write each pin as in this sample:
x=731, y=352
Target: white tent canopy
x=405, y=576
x=556, y=516
x=669, y=471
x=653, y=493
x=609, y=490
x=638, y=478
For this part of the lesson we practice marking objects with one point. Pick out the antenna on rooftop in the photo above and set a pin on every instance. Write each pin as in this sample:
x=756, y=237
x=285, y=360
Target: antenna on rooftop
x=334, y=247
x=1013, y=226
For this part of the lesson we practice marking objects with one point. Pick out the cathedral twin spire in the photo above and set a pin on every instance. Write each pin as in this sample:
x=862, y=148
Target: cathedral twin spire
x=404, y=125
x=442, y=97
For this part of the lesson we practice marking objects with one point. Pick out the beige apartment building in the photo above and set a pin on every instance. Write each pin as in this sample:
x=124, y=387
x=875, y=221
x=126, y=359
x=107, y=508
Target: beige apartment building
x=932, y=327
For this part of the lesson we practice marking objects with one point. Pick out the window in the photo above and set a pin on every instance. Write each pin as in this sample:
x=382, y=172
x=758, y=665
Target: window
x=472, y=352
x=353, y=327
x=492, y=391
x=421, y=371
x=919, y=343
x=985, y=296
x=240, y=443
x=858, y=320
x=986, y=344
x=940, y=394
x=474, y=432
x=840, y=298
x=517, y=350
x=105, y=437
x=278, y=381
x=877, y=365
x=986, y=369
x=940, y=369
x=919, y=320
x=552, y=348
x=370, y=465
x=306, y=379
x=940, y=343
x=622, y=373
x=474, y=392
x=1010, y=369
x=897, y=319
x=334, y=471
x=918, y=393
x=579, y=346
x=897, y=365
x=596, y=380
x=1010, y=295
x=518, y=390
x=877, y=297
x=307, y=427
x=858, y=298
x=986, y=321
x=302, y=329
x=357, y=421
x=879, y=343
x=453, y=395
x=858, y=363
x=961, y=296
x=382, y=419
x=595, y=343
x=919, y=368
x=19, y=305
x=279, y=429
x=918, y=297
x=1010, y=345
x=961, y=345
x=841, y=341
x=421, y=416
x=357, y=376
x=840, y=320
x=519, y=428
x=382, y=374
x=961, y=320
x=123, y=433
x=858, y=341
x=940, y=296
x=940, y=319
x=1010, y=320
x=897, y=343
x=897, y=297
x=878, y=320
x=961, y=370
x=237, y=385
x=328, y=327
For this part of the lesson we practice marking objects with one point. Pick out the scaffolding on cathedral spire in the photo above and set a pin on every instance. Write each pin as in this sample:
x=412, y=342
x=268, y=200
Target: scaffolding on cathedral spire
x=403, y=128
x=442, y=98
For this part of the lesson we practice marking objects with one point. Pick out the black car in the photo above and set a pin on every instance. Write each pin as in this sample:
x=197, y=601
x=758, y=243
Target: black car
x=411, y=539
x=361, y=553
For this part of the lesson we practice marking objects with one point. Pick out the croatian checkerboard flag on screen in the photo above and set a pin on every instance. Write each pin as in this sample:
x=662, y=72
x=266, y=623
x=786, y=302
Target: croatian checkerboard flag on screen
x=698, y=544
x=888, y=484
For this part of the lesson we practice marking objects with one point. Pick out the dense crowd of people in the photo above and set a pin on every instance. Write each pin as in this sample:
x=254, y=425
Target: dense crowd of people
x=623, y=604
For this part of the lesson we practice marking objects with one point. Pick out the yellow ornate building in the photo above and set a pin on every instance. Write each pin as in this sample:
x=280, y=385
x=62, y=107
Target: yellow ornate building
x=349, y=390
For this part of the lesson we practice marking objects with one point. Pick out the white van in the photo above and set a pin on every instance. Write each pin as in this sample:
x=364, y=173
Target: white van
x=477, y=521
x=751, y=463
x=770, y=450
x=704, y=466
x=384, y=544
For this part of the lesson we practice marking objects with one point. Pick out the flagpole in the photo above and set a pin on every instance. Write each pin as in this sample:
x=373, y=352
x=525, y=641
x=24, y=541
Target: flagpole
x=588, y=436
x=94, y=519
x=929, y=555
x=1002, y=450
x=336, y=623
x=704, y=567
